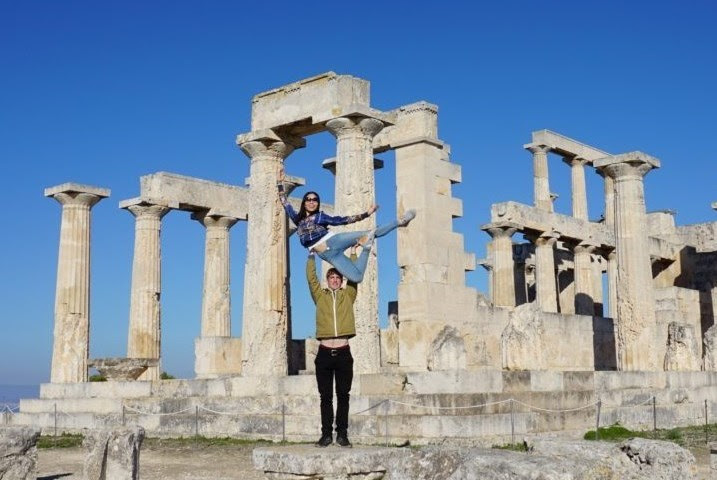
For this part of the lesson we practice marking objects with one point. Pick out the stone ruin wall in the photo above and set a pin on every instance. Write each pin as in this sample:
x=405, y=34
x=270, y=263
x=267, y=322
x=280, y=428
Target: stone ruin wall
x=545, y=308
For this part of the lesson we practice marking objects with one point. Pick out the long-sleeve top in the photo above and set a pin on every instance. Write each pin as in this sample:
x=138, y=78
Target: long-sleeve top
x=313, y=227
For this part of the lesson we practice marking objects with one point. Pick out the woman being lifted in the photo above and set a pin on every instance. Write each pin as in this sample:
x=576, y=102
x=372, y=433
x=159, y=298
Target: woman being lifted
x=314, y=234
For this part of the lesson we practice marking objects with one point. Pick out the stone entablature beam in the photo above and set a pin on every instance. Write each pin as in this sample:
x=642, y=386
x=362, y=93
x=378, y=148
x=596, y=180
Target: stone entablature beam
x=636, y=321
x=531, y=218
x=265, y=326
x=144, y=336
x=70, y=349
x=567, y=147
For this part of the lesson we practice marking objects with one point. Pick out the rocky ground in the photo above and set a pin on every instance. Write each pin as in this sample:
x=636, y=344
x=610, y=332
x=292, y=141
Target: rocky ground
x=184, y=461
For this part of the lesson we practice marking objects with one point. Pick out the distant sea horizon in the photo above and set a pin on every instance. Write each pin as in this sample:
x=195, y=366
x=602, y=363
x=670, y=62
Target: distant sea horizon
x=10, y=395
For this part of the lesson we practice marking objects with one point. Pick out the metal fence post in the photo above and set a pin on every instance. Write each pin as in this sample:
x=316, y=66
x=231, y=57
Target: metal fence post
x=385, y=420
x=196, y=420
x=707, y=432
x=55, y=421
x=512, y=421
x=283, y=422
x=597, y=420
x=654, y=416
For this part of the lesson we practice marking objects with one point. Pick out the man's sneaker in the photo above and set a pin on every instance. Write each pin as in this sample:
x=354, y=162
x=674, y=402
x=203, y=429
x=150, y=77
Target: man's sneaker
x=324, y=441
x=343, y=441
x=407, y=217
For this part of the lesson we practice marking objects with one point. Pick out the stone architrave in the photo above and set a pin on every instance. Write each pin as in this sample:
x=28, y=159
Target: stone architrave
x=579, y=192
x=503, y=268
x=635, y=297
x=546, y=293
x=355, y=192
x=266, y=328
x=584, y=281
x=72, y=295
x=541, y=193
x=145, y=323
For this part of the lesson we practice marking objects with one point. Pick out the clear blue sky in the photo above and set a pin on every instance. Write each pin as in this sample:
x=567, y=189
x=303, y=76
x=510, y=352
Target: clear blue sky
x=104, y=92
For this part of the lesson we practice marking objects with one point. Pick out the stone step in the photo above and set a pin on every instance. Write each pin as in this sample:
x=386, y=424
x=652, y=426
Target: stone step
x=440, y=382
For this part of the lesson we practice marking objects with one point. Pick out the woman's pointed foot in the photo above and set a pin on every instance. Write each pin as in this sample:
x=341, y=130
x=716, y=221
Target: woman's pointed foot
x=406, y=218
x=370, y=237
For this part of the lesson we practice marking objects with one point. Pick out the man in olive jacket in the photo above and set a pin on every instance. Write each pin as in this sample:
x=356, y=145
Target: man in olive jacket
x=335, y=324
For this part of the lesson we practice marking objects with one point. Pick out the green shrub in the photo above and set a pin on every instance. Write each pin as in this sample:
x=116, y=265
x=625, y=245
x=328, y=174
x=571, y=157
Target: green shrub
x=97, y=378
x=613, y=433
x=166, y=376
x=65, y=440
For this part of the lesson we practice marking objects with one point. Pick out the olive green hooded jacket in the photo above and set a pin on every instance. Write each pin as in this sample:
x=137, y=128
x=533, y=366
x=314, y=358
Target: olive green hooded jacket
x=334, y=309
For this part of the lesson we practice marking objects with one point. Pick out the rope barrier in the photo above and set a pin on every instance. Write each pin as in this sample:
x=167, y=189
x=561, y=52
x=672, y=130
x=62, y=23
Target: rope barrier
x=555, y=411
x=8, y=408
x=158, y=414
x=449, y=408
x=371, y=408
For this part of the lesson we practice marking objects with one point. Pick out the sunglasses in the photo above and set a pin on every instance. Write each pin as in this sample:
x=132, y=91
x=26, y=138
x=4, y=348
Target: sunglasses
x=311, y=199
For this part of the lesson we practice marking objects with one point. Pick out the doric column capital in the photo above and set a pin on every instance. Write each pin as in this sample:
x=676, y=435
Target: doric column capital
x=537, y=148
x=268, y=145
x=585, y=246
x=143, y=209
x=214, y=221
x=627, y=166
x=76, y=194
x=576, y=161
x=547, y=239
x=500, y=229
x=345, y=126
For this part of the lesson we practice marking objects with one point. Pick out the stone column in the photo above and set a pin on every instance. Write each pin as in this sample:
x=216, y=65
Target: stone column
x=355, y=193
x=541, y=193
x=584, y=300
x=216, y=295
x=144, y=339
x=596, y=262
x=579, y=197
x=635, y=297
x=612, y=283
x=503, y=287
x=265, y=325
x=72, y=292
x=215, y=351
x=546, y=292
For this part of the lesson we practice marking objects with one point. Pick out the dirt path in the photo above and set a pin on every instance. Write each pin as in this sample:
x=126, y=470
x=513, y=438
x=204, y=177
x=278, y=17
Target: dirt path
x=161, y=462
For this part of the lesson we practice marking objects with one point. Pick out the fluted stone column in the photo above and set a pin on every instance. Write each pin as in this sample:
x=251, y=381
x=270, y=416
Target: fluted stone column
x=584, y=296
x=546, y=292
x=215, y=352
x=503, y=268
x=355, y=193
x=216, y=294
x=579, y=192
x=265, y=327
x=635, y=296
x=72, y=292
x=541, y=193
x=145, y=326
x=612, y=283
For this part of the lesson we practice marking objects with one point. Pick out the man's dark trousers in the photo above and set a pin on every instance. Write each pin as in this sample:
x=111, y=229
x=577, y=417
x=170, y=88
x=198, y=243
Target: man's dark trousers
x=336, y=363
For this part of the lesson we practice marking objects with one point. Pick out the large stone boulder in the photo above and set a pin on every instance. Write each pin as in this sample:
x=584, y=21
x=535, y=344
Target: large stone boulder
x=681, y=353
x=113, y=454
x=18, y=452
x=522, y=341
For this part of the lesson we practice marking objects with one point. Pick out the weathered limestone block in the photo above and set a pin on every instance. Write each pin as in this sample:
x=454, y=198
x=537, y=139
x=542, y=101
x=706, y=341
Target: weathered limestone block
x=303, y=462
x=448, y=351
x=18, y=452
x=522, y=341
x=682, y=353
x=113, y=454
x=216, y=356
x=120, y=369
x=713, y=459
x=710, y=342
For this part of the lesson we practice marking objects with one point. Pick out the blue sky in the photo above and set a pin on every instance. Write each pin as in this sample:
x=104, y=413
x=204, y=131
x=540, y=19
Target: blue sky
x=104, y=92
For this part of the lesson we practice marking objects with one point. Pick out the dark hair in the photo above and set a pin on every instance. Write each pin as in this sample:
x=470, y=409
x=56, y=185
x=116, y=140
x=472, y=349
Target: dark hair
x=332, y=271
x=302, y=211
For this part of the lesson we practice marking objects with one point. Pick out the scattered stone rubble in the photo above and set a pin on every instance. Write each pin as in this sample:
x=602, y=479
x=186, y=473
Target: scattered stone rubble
x=113, y=454
x=18, y=452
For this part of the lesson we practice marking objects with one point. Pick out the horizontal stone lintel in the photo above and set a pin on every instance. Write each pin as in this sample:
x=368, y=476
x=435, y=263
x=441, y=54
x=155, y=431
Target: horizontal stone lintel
x=566, y=146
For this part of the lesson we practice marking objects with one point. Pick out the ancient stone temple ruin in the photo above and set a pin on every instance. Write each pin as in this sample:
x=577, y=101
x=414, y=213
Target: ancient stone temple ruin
x=615, y=314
